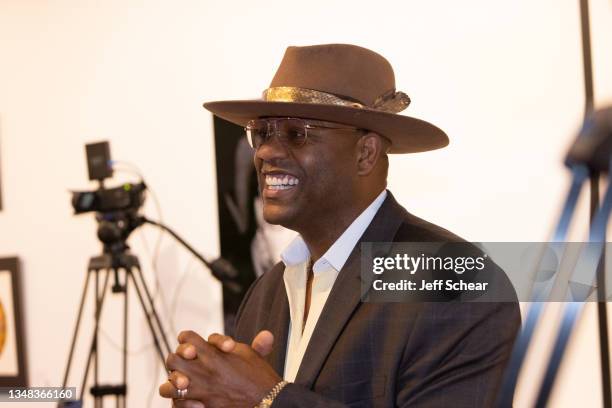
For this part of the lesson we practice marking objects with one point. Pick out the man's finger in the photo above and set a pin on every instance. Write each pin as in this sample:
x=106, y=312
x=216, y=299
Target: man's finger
x=223, y=343
x=201, y=345
x=176, y=362
x=263, y=342
x=167, y=390
x=187, y=404
x=179, y=380
x=189, y=336
x=187, y=351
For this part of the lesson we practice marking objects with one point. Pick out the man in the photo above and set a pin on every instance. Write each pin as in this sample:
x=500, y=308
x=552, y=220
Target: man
x=321, y=136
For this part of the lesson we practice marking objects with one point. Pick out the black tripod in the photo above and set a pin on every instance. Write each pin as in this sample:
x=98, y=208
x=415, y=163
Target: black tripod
x=113, y=230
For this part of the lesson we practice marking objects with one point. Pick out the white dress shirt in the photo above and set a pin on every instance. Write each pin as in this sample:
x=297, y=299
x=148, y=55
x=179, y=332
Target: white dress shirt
x=296, y=258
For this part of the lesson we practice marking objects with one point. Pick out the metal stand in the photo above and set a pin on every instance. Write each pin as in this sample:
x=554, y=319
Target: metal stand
x=593, y=256
x=115, y=262
x=602, y=311
x=594, y=152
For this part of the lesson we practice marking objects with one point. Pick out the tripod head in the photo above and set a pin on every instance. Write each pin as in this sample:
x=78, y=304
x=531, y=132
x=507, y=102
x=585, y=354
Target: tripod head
x=117, y=213
x=593, y=146
x=115, y=228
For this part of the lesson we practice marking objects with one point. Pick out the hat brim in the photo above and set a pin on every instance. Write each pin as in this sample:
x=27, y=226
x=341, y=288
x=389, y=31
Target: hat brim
x=407, y=135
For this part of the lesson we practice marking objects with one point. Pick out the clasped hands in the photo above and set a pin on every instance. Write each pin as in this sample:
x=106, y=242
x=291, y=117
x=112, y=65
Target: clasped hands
x=219, y=372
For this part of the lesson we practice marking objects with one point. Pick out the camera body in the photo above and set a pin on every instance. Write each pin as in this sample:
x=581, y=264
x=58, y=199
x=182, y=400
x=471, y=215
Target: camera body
x=123, y=198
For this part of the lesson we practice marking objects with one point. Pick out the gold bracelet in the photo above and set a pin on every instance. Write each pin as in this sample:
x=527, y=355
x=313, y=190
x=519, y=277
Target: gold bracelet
x=267, y=401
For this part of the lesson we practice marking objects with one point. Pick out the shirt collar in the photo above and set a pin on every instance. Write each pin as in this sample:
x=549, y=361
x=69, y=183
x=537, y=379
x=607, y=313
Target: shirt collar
x=297, y=252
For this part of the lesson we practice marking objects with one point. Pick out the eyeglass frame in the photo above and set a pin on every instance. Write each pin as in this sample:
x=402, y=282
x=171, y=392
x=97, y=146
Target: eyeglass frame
x=308, y=124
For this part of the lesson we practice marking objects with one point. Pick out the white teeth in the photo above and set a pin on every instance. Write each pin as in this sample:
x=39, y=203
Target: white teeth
x=281, y=182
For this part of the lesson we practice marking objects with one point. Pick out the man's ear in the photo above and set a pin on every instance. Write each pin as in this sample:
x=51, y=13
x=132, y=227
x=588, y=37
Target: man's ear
x=369, y=152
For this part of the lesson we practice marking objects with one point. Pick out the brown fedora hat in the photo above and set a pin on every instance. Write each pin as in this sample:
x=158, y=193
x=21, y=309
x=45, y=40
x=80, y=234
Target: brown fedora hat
x=339, y=83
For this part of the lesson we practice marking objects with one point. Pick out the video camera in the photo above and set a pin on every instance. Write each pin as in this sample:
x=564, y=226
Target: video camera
x=123, y=198
x=106, y=200
x=117, y=208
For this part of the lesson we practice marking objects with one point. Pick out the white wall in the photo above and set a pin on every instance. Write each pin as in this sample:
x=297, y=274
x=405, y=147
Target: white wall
x=504, y=79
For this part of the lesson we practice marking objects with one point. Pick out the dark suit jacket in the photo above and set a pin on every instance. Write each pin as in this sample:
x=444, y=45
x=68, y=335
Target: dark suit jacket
x=386, y=354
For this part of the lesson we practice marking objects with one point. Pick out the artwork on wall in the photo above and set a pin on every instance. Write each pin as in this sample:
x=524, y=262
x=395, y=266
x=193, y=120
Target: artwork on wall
x=12, y=352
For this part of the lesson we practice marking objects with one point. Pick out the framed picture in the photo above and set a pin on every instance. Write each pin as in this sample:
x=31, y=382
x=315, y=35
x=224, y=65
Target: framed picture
x=12, y=352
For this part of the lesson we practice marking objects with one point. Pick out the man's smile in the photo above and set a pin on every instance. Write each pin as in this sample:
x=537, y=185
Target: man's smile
x=281, y=181
x=278, y=184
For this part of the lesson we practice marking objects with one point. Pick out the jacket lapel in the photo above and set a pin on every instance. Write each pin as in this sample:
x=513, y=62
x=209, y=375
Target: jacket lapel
x=345, y=294
x=278, y=324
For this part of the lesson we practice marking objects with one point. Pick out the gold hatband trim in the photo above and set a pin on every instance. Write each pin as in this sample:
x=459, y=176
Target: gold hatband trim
x=391, y=102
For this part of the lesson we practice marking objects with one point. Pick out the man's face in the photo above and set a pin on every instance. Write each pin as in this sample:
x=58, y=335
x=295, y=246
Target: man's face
x=303, y=184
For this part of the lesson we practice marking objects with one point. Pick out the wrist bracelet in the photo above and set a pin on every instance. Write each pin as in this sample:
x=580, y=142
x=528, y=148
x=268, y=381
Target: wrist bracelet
x=267, y=401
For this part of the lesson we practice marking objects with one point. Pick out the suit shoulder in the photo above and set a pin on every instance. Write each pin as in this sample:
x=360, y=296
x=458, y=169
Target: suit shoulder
x=414, y=228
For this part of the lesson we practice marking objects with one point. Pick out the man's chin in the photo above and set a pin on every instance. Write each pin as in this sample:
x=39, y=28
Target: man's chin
x=278, y=216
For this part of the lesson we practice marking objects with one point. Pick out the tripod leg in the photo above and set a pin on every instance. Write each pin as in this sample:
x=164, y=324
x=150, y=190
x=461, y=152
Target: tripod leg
x=76, y=331
x=121, y=399
x=523, y=340
x=95, y=341
x=153, y=310
x=149, y=321
x=602, y=319
x=93, y=347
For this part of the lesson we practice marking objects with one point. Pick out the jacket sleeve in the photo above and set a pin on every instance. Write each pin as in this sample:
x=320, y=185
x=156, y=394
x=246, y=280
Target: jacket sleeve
x=297, y=396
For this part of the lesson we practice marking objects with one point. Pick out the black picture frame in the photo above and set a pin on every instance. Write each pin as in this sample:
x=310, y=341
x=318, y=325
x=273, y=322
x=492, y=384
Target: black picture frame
x=10, y=266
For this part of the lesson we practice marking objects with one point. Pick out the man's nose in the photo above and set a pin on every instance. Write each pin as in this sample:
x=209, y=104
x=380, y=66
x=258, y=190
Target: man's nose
x=271, y=149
